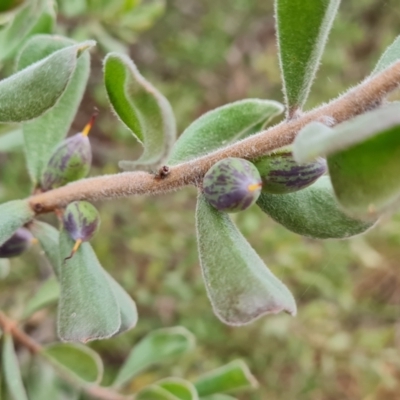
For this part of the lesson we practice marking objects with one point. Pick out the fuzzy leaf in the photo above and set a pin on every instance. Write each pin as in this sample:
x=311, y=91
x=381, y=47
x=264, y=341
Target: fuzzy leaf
x=142, y=108
x=47, y=294
x=155, y=392
x=390, y=56
x=83, y=363
x=222, y=126
x=127, y=307
x=365, y=177
x=312, y=142
x=87, y=308
x=182, y=389
x=157, y=347
x=240, y=286
x=48, y=238
x=11, y=141
x=44, y=133
x=231, y=377
x=13, y=215
x=302, y=28
x=312, y=212
x=11, y=370
x=34, y=90
x=37, y=16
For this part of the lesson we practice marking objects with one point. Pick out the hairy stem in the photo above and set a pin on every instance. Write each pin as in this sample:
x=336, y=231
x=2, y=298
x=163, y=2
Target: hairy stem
x=98, y=392
x=364, y=97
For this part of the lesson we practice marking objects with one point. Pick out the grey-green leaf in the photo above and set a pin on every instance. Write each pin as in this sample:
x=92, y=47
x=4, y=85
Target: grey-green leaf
x=11, y=141
x=240, y=286
x=87, y=308
x=155, y=392
x=318, y=140
x=222, y=126
x=47, y=294
x=48, y=238
x=127, y=306
x=312, y=212
x=76, y=360
x=365, y=177
x=157, y=347
x=36, y=16
x=302, y=28
x=11, y=370
x=182, y=389
x=142, y=108
x=390, y=56
x=34, y=90
x=44, y=133
x=13, y=215
x=231, y=377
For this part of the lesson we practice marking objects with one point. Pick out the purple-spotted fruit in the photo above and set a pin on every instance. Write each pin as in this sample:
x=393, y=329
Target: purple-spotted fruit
x=232, y=185
x=70, y=161
x=81, y=220
x=281, y=174
x=17, y=244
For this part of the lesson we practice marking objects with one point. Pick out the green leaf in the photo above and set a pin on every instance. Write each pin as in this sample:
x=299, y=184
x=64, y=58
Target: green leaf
x=365, y=177
x=127, y=306
x=43, y=382
x=34, y=90
x=390, y=56
x=182, y=389
x=231, y=377
x=47, y=294
x=318, y=140
x=11, y=141
x=157, y=347
x=142, y=108
x=87, y=308
x=154, y=392
x=312, y=212
x=13, y=215
x=44, y=133
x=240, y=286
x=302, y=29
x=218, y=396
x=4, y=268
x=37, y=16
x=11, y=371
x=222, y=126
x=48, y=238
x=363, y=160
x=75, y=359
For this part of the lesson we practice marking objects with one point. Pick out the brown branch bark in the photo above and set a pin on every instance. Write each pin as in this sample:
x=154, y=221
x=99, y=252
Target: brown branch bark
x=98, y=392
x=364, y=97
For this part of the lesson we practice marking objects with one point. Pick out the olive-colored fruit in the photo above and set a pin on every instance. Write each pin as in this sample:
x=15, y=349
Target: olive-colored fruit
x=81, y=220
x=281, y=174
x=232, y=185
x=17, y=244
x=70, y=161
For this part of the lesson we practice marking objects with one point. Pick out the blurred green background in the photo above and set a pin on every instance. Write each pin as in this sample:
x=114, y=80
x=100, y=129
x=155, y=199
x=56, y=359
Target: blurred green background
x=345, y=341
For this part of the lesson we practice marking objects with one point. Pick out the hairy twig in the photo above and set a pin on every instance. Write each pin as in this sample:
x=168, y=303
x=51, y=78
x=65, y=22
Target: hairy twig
x=98, y=392
x=364, y=97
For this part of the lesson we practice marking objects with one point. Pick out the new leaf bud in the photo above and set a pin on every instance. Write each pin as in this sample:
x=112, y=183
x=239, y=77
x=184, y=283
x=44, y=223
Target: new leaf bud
x=232, y=185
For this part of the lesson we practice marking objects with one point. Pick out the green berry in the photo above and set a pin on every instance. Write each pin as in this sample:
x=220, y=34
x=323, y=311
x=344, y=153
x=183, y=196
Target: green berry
x=17, y=244
x=281, y=174
x=232, y=185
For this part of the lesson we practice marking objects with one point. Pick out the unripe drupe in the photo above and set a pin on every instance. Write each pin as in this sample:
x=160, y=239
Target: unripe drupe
x=17, y=244
x=232, y=185
x=281, y=174
x=81, y=220
x=70, y=161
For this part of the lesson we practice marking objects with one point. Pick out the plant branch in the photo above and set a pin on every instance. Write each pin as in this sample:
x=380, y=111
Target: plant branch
x=367, y=95
x=10, y=326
